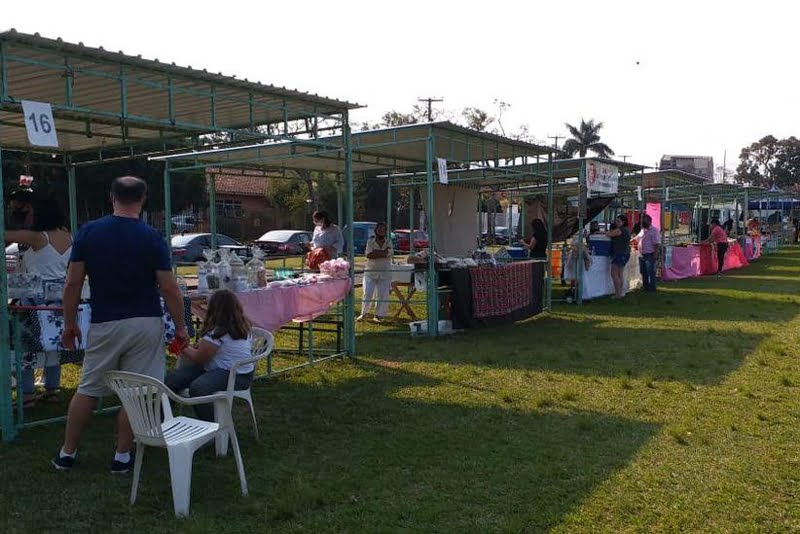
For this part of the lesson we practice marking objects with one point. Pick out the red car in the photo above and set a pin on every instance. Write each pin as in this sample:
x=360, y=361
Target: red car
x=401, y=240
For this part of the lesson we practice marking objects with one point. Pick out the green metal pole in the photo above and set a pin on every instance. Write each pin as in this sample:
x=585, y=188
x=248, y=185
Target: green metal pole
x=168, y=207
x=412, y=196
x=478, y=221
x=212, y=208
x=339, y=212
x=432, y=286
x=582, y=203
x=73, y=199
x=549, y=274
x=6, y=407
x=388, y=205
x=349, y=313
x=699, y=218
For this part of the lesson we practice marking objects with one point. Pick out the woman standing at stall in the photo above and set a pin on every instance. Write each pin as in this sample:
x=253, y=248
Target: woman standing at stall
x=620, y=254
x=49, y=246
x=720, y=239
x=378, y=275
x=537, y=244
x=327, y=241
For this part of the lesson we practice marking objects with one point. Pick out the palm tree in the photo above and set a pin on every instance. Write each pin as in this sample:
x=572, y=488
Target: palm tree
x=586, y=138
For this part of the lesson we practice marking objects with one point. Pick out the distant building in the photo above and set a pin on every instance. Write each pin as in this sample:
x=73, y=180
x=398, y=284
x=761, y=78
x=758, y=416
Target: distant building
x=699, y=165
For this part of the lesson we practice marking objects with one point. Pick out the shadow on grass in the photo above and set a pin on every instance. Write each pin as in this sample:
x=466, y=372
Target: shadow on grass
x=584, y=347
x=378, y=451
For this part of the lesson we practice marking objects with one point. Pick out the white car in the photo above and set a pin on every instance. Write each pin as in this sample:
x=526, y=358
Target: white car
x=183, y=223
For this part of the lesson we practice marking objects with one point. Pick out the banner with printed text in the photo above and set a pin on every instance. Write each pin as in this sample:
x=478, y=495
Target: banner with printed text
x=602, y=178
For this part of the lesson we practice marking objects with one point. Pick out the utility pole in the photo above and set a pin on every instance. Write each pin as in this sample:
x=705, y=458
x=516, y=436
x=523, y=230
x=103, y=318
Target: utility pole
x=624, y=157
x=556, y=138
x=724, y=163
x=430, y=100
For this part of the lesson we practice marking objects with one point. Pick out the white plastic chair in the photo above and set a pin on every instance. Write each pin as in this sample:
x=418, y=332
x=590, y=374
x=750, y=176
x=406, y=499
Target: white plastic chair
x=144, y=398
x=262, y=345
x=263, y=342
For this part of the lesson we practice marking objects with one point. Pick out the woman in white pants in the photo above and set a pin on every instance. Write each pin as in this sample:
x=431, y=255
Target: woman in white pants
x=378, y=275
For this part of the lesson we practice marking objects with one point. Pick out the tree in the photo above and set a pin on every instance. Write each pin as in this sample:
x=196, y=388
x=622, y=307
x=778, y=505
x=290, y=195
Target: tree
x=477, y=119
x=757, y=162
x=586, y=138
x=771, y=162
x=787, y=167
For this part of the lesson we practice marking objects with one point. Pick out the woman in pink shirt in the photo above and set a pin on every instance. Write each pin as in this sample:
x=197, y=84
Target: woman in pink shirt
x=720, y=239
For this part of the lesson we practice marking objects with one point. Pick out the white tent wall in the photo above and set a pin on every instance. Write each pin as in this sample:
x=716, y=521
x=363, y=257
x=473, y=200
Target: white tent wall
x=454, y=220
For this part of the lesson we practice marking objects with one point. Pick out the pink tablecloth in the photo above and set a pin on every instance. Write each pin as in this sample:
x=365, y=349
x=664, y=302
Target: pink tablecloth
x=700, y=260
x=752, y=247
x=272, y=308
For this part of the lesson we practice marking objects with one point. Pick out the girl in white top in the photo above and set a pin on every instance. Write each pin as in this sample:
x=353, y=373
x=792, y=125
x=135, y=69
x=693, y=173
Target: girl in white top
x=378, y=274
x=44, y=250
x=224, y=340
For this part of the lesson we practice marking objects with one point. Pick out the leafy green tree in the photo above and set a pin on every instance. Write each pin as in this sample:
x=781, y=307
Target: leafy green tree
x=757, y=162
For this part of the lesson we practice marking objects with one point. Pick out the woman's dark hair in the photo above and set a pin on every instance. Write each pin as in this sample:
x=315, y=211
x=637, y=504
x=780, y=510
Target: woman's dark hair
x=323, y=216
x=129, y=189
x=538, y=226
x=624, y=219
x=225, y=316
x=47, y=215
x=715, y=221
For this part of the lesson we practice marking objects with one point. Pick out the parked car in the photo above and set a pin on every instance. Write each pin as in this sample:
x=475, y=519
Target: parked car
x=362, y=231
x=401, y=240
x=183, y=223
x=189, y=247
x=502, y=236
x=284, y=242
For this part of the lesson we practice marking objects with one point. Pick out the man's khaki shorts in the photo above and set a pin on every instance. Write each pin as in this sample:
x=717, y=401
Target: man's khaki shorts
x=135, y=345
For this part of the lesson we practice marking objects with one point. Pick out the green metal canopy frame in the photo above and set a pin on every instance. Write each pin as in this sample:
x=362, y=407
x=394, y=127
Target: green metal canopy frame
x=406, y=154
x=109, y=106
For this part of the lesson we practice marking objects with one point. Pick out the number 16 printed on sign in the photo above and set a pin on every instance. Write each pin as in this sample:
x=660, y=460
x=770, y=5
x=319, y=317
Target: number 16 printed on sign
x=39, y=123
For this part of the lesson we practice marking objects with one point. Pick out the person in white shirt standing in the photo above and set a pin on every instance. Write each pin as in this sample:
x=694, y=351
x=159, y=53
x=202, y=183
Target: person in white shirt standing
x=378, y=274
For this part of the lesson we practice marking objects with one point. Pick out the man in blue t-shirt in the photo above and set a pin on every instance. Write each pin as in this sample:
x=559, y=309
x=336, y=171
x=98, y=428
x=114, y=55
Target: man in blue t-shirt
x=129, y=269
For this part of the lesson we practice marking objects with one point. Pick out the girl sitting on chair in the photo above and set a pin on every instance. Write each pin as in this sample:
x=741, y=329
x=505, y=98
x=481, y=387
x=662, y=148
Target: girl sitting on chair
x=224, y=340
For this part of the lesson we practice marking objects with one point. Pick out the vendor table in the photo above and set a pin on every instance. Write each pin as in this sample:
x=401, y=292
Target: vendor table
x=39, y=330
x=597, y=279
x=272, y=307
x=700, y=260
x=404, y=300
x=486, y=295
x=752, y=247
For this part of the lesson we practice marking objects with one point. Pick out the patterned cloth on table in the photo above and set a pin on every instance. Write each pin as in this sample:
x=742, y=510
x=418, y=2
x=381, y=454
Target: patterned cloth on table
x=42, y=329
x=497, y=291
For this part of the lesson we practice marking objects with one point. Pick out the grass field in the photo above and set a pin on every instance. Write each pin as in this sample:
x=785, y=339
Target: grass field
x=670, y=412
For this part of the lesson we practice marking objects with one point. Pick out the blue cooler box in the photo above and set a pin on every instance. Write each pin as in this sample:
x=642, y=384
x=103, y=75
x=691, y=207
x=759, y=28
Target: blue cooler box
x=518, y=253
x=599, y=245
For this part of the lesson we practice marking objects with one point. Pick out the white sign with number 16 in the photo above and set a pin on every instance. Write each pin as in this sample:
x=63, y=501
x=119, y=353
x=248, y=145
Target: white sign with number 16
x=40, y=124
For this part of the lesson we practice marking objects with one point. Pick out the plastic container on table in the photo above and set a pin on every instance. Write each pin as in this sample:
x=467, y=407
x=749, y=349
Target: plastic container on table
x=599, y=245
x=517, y=253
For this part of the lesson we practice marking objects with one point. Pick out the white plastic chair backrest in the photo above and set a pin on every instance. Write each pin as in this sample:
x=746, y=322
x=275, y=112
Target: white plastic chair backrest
x=262, y=342
x=143, y=398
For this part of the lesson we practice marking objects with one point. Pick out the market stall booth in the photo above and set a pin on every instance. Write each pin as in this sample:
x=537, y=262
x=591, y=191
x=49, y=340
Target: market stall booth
x=70, y=107
x=457, y=170
x=684, y=250
x=586, y=189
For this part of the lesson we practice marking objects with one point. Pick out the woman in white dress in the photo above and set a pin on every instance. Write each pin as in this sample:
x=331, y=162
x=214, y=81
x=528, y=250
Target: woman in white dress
x=45, y=250
x=378, y=274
